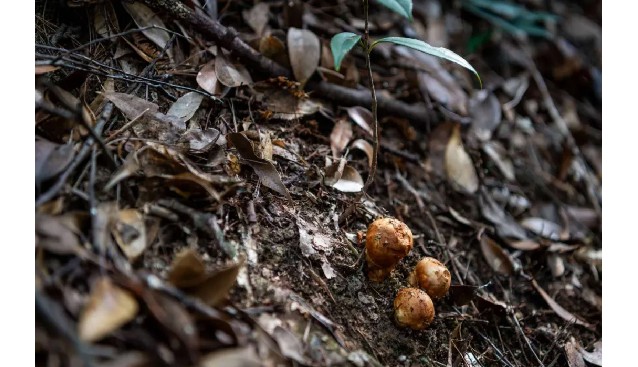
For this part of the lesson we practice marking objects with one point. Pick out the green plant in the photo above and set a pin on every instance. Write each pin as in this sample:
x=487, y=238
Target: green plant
x=342, y=43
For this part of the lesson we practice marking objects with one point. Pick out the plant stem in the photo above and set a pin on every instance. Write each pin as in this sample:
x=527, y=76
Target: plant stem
x=375, y=147
x=373, y=94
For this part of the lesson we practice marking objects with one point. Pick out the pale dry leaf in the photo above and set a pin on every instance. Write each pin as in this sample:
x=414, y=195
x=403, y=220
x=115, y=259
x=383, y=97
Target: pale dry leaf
x=558, y=309
x=56, y=235
x=265, y=146
x=498, y=259
x=289, y=344
x=333, y=172
x=574, y=357
x=498, y=154
x=543, y=227
x=596, y=355
x=207, y=78
x=485, y=111
x=366, y=147
x=505, y=224
x=185, y=106
x=350, y=180
x=236, y=357
x=134, y=107
x=144, y=17
x=524, y=245
x=51, y=159
x=362, y=117
x=304, y=50
x=231, y=74
x=109, y=308
x=129, y=232
x=459, y=167
x=340, y=137
x=257, y=17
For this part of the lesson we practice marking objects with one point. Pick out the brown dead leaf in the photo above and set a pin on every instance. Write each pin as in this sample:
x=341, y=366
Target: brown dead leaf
x=340, y=137
x=543, y=227
x=290, y=344
x=207, y=78
x=231, y=74
x=333, y=172
x=506, y=226
x=174, y=318
x=57, y=234
x=128, y=359
x=498, y=259
x=574, y=357
x=51, y=159
x=362, y=117
x=366, y=147
x=524, y=245
x=216, y=286
x=304, y=50
x=284, y=105
x=109, y=308
x=274, y=48
x=129, y=232
x=267, y=173
x=43, y=69
x=135, y=107
x=257, y=17
x=187, y=269
x=459, y=167
x=485, y=110
x=558, y=309
x=144, y=17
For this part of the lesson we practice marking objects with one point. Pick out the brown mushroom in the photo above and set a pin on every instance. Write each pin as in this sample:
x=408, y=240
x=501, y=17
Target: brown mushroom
x=432, y=276
x=388, y=241
x=413, y=308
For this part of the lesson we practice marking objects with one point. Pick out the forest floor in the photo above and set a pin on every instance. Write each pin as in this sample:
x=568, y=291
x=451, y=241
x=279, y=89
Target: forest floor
x=194, y=164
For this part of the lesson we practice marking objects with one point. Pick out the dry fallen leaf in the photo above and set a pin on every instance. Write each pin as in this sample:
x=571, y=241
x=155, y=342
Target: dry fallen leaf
x=362, y=117
x=267, y=173
x=129, y=232
x=231, y=74
x=57, y=234
x=187, y=269
x=109, y=308
x=105, y=21
x=284, y=105
x=304, y=50
x=238, y=357
x=365, y=147
x=574, y=357
x=340, y=137
x=558, y=309
x=207, y=78
x=596, y=355
x=458, y=164
x=51, y=159
x=350, y=180
x=543, y=227
x=144, y=17
x=485, y=110
x=134, y=107
x=498, y=259
x=257, y=17
x=185, y=106
x=497, y=152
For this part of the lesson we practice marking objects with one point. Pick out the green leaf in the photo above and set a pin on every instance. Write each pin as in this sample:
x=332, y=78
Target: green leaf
x=402, y=7
x=419, y=45
x=340, y=44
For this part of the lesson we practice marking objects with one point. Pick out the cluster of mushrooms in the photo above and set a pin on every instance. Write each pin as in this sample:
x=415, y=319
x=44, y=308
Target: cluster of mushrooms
x=388, y=241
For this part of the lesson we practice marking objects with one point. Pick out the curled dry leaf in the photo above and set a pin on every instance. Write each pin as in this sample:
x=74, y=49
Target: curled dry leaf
x=231, y=74
x=144, y=17
x=334, y=172
x=185, y=106
x=340, y=137
x=187, y=269
x=506, y=226
x=173, y=317
x=498, y=259
x=558, y=309
x=485, y=110
x=362, y=117
x=304, y=50
x=109, y=307
x=257, y=17
x=350, y=180
x=58, y=235
x=595, y=356
x=207, y=78
x=105, y=21
x=129, y=232
x=574, y=357
x=366, y=147
x=290, y=344
x=458, y=164
x=286, y=106
x=267, y=173
x=134, y=107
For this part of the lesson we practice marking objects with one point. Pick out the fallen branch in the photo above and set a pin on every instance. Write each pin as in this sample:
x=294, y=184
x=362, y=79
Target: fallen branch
x=227, y=38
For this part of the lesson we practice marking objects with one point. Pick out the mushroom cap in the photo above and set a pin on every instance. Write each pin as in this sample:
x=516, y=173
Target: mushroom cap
x=432, y=276
x=413, y=308
x=388, y=240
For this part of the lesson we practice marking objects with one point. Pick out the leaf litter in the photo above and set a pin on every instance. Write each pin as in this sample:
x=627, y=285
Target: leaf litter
x=230, y=268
